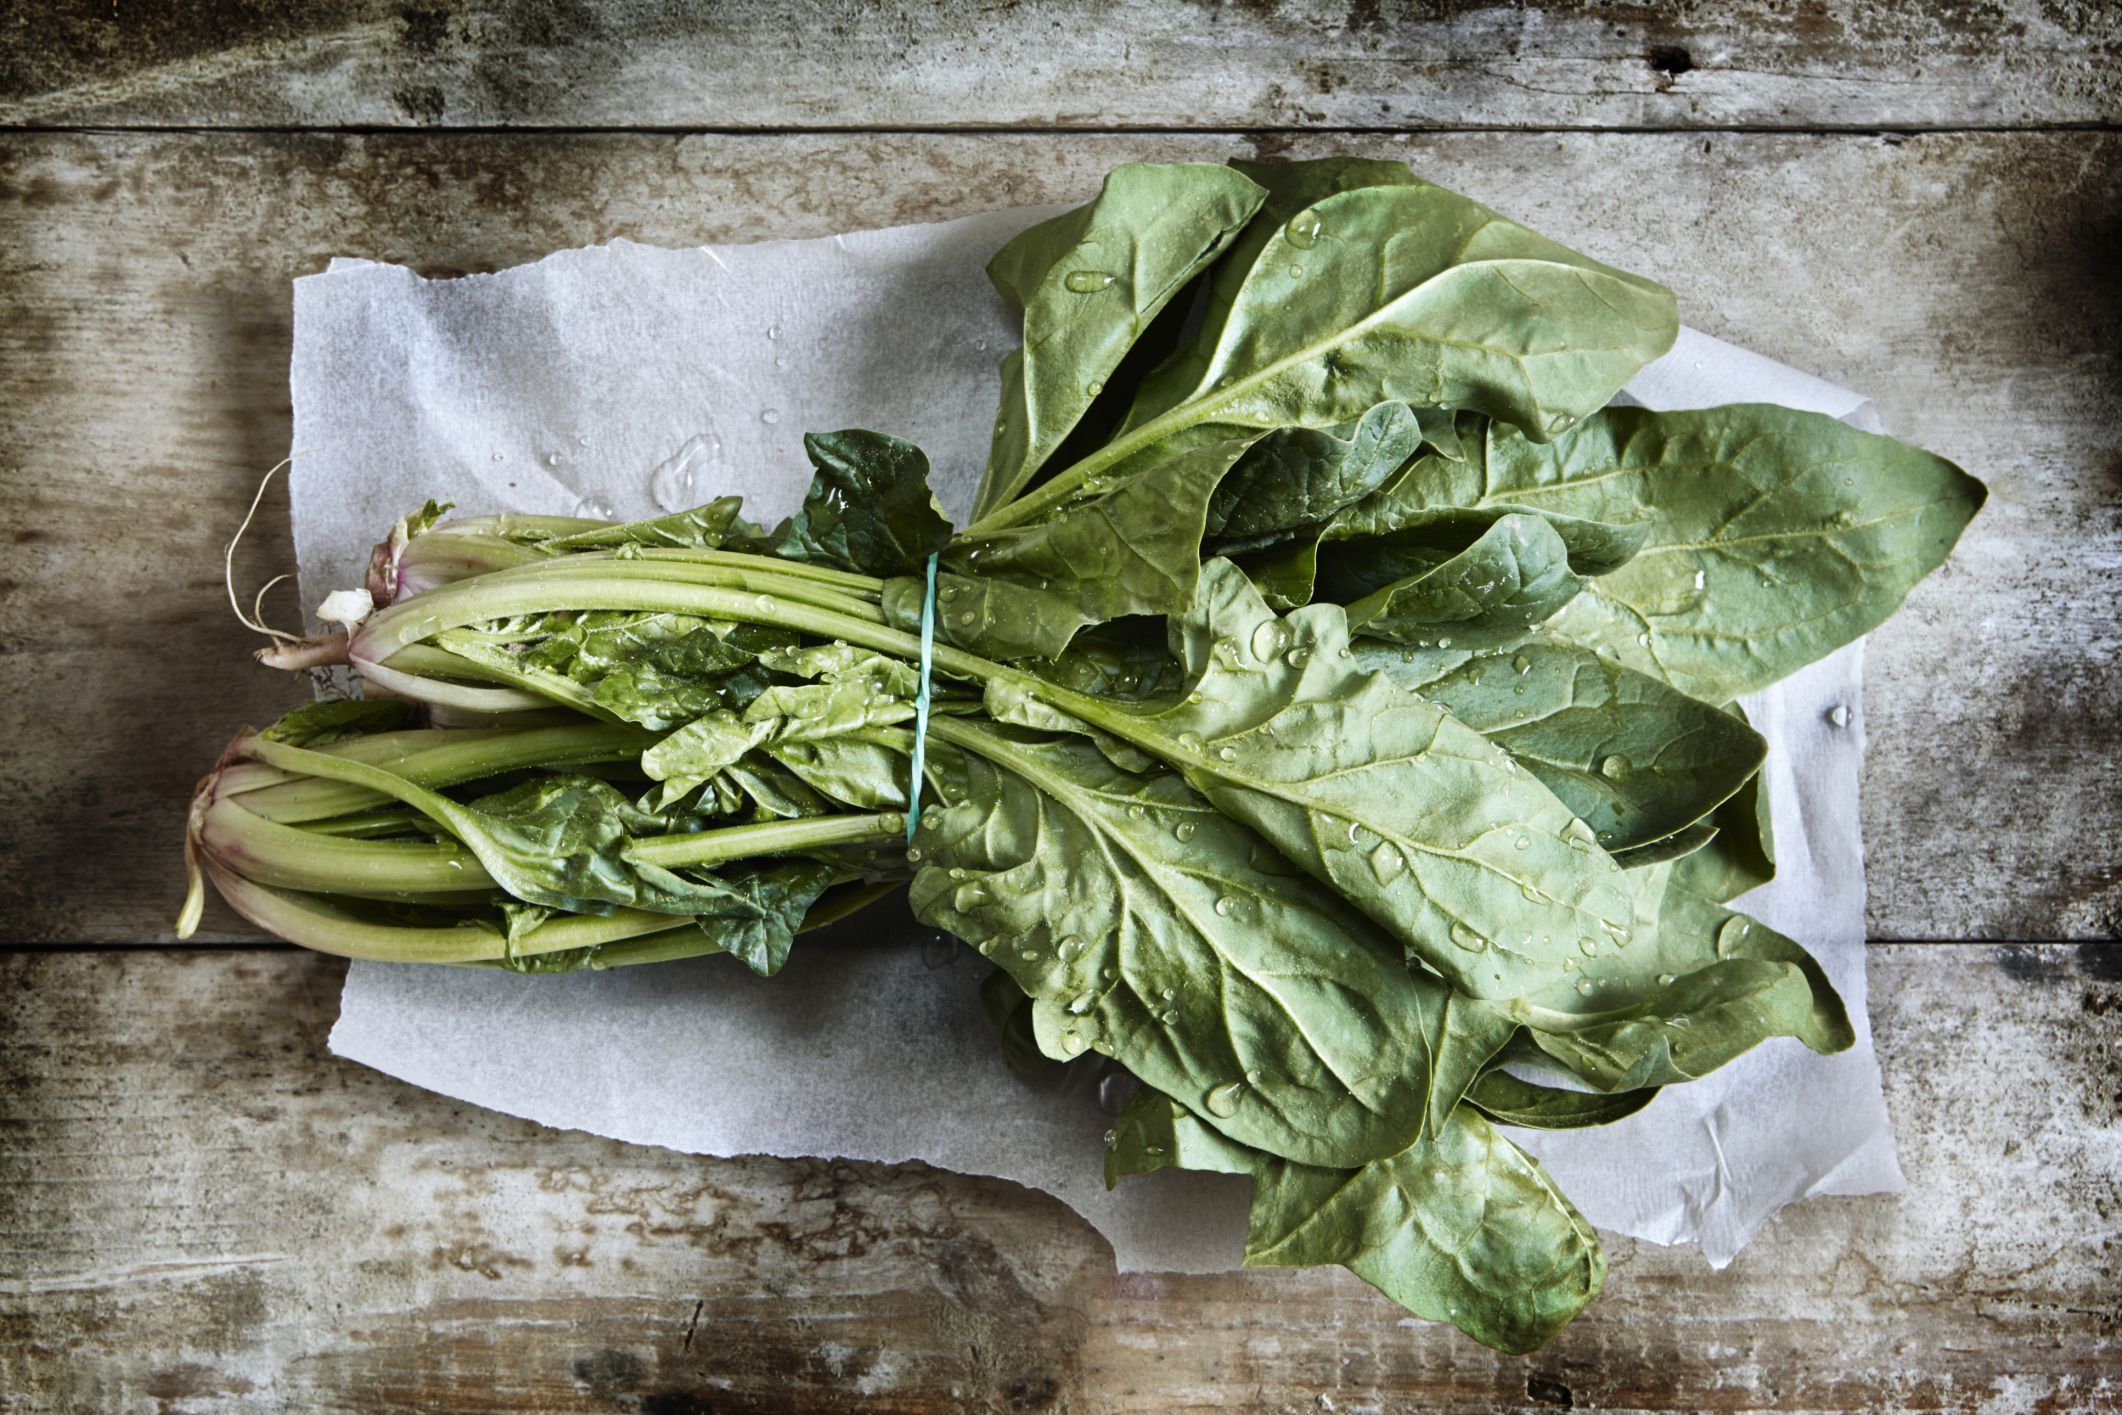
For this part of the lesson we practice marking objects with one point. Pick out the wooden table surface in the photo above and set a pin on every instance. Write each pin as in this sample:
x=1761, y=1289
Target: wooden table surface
x=201, y=1211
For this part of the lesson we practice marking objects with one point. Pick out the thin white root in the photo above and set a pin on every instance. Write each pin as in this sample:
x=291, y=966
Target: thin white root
x=255, y=620
x=258, y=602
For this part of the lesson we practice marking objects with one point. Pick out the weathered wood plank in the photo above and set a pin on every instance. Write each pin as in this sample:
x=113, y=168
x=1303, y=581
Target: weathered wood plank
x=1967, y=281
x=1074, y=64
x=200, y=1210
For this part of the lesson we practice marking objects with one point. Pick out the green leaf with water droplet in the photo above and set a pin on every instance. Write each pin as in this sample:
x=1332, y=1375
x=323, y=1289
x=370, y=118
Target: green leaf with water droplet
x=1466, y=1228
x=1152, y=229
x=1510, y=1100
x=1514, y=575
x=1289, y=191
x=335, y=719
x=1775, y=536
x=1295, y=476
x=1327, y=761
x=701, y=528
x=1680, y=1032
x=1347, y=1053
x=869, y=508
x=1566, y=714
x=1133, y=549
x=1743, y=854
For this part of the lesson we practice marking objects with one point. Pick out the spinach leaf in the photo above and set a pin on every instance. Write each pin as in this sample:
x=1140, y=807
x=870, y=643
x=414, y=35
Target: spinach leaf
x=1632, y=757
x=701, y=528
x=1148, y=926
x=1684, y=1030
x=1132, y=549
x=1089, y=282
x=335, y=719
x=1413, y=817
x=1775, y=536
x=868, y=509
x=1743, y=854
x=1514, y=576
x=1508, y=1100
x=1466, y=1228
x=1295, y=476
x=1397, y=295
x=1684, y=914
x=759, y=907
x=1287, y=189
x=1409, y=293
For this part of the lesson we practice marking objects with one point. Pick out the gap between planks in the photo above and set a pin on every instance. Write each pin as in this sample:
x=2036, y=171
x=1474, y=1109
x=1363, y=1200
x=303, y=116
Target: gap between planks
x=1028, y=130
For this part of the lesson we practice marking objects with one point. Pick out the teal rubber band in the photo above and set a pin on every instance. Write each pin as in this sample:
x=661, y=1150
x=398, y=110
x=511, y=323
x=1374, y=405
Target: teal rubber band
x=928, y=648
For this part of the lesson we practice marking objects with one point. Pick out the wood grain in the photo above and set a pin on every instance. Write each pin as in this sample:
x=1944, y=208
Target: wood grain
x=1068, y=64
x=1966, y=282
x=202, y=1211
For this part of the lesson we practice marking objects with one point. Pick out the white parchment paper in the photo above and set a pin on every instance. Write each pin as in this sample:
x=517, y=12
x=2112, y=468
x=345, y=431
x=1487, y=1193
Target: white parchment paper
x=600, y=381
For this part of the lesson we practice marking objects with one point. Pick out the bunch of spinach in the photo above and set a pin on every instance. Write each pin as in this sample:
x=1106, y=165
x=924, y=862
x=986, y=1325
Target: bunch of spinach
x=1333, y=714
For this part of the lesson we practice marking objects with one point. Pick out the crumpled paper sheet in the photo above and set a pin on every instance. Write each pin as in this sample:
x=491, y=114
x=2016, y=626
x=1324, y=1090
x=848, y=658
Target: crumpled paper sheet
x=599, y=379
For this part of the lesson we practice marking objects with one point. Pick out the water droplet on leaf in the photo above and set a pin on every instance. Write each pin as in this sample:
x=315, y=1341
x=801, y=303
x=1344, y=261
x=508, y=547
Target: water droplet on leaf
x=1087, y=282
x=1269, y=640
